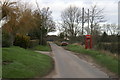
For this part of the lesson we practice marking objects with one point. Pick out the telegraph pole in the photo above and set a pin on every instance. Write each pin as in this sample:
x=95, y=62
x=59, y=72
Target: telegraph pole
x=42, y=18
x=41, y=30
x=82, y=20
x=88, y=20
x=82, y=26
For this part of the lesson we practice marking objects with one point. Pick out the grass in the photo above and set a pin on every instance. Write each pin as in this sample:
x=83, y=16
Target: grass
x=42, y=48
x=22, y=63
x=0, y=62
x=106, y=61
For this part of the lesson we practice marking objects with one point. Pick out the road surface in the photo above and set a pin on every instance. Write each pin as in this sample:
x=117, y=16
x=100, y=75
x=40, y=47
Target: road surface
x=68, y=65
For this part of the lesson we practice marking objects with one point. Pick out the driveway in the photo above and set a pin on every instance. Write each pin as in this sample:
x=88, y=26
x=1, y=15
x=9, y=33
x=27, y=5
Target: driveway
x=68, y=65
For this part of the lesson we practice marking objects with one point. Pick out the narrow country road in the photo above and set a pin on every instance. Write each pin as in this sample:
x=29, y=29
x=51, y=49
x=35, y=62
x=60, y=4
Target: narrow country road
x=68, y=65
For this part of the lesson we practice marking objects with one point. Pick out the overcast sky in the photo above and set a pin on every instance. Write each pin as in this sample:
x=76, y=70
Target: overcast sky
x=56, y=6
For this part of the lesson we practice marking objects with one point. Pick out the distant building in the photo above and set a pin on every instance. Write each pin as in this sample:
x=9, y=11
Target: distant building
x=52, y=38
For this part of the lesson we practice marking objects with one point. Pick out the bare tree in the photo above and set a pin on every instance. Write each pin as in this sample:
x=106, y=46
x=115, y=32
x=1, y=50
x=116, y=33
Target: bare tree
x=110, y=29
x=48, y=22
x=71, y=19
x=44, y=24
x=96, y=16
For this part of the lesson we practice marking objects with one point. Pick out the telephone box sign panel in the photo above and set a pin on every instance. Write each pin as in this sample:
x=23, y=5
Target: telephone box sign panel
x=88, y=36
x=88, y=42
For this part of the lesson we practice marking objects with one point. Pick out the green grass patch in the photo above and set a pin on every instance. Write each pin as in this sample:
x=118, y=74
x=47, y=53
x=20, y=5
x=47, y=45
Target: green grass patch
x=106, y=61
x=0, y=62
x=22, y=63
x=42, y=48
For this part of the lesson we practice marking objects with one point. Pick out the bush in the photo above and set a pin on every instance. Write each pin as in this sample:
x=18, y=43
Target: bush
x=33, y=43
x=6, y=39
x=112, y=47
x=22, y=41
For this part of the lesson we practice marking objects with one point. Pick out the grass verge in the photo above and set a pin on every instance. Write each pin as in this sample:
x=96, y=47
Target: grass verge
x=106, y=61
x=22, y=63
x=42, y=48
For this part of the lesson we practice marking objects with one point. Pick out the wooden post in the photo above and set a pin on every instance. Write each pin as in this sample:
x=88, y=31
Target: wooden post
x=88, y=19
x=82, y=20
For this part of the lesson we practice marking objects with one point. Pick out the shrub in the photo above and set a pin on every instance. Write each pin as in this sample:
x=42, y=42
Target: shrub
x=104, y=37
x=22, y=41
x=112, y=47
x=6, y=39
x=33, y=43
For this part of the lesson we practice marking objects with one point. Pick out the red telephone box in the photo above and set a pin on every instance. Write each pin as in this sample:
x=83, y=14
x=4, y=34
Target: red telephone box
x=88, y=41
